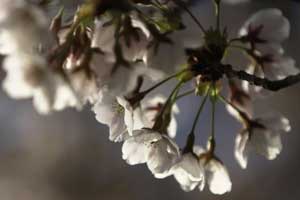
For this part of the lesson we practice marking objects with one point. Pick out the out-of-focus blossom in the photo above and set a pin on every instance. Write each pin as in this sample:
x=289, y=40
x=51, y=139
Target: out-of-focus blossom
x=266, y=26
x=28, y=76
x=84, y=85
x=156, y=57
x=15, y=15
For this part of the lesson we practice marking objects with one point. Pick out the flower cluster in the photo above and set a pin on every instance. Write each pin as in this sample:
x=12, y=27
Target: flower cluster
x=114, y=54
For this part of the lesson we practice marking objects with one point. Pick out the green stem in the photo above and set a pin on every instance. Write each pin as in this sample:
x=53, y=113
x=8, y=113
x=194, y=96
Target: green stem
x=158, y=125
x=185, y=94
x=145, y=92
x=245, y=118
x=199, y=112
x=213, y=106
x=191, y=137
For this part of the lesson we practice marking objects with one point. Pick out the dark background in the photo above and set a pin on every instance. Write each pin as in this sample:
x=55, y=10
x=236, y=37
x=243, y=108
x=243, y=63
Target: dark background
x=67, y=155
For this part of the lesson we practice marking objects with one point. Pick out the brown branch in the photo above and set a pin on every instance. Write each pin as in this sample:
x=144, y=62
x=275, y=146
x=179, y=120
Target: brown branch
x=265, y=83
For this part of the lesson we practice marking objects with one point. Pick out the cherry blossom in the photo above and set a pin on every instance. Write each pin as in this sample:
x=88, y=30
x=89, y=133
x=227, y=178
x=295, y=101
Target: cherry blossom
x=263, y=136
x=105, y=54
x=188, y=172
x=215, y=173
x=158, y=151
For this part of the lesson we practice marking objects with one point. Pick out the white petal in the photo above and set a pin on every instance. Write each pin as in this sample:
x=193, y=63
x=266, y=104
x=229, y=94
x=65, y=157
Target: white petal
x=266, y=143
x=135, y=149
x=280, y=68
x=217, y=177
x=276, y=27
x=187, y=172
x=162, y=156
x=241, y=149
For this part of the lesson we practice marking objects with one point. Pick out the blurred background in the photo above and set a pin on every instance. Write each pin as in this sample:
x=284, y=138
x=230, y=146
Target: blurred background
x=67, y=155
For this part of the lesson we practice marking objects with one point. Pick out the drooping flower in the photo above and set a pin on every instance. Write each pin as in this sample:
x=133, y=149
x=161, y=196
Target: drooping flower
x=188, y=172
x=135, y=149
x=117, y=113
x=162, y=155
x=158, y=151
x=262, y=135
x=216, y=174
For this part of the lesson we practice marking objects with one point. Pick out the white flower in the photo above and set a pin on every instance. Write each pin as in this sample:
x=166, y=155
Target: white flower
x=263, y=136
x=188, y=172
x=162, y=155
x=108, y=111
x=28, y=76
x=148, y=146
x=22, y=27
x=266, y=30
x=119, y=79
x=23, y=75
x=267, y=26
x=134, y=47
x=280, y=67
x=135, y=149
x=133, y=116
x=118, y=114
x=84, y=85
x=216, y=176
x=119, y=70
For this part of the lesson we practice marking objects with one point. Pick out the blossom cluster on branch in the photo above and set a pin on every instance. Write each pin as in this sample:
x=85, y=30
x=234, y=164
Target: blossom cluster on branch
x=114, y=54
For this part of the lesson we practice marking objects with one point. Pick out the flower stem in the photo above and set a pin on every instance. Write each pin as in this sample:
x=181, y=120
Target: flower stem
x=160, y=123
x=199, y=111
x=145, y=92
x=191, y=137
x=213, y=107
x=185, y=94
